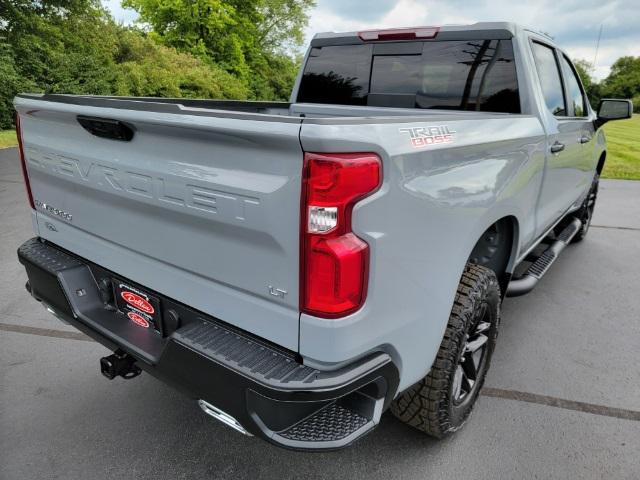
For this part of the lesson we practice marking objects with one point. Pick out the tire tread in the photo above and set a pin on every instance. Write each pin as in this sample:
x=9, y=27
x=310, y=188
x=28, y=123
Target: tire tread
x=425, y=406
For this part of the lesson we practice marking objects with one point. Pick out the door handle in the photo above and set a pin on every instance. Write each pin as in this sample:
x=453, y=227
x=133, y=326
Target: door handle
x=557, y=147
x=585, y=139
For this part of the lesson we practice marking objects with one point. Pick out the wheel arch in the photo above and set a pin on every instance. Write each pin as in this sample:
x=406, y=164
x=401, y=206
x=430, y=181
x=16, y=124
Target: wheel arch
x=497, y=248
x=601, y=160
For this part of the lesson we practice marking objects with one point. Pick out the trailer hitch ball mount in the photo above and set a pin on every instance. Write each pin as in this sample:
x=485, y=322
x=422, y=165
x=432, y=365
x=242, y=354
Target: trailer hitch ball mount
x=119, y=364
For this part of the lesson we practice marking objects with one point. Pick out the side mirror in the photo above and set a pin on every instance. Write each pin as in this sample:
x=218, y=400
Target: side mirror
x=613, y=109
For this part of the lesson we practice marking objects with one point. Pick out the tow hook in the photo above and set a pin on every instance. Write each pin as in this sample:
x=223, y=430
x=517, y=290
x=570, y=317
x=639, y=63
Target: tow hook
x=119, y=364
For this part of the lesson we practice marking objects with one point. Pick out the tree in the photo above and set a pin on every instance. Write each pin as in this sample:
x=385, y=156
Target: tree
x=282, y=23
x=195, y=26
x=591, y=86
x=584, y=69
x=242, y=36
x=624, y=79
x=74, y=46
x=144, y=68
x=11, y=82
x=54, y=46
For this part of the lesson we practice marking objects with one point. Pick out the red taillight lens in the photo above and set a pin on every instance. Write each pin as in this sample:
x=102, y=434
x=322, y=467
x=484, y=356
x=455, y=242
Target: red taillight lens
x=23, y=162
x=334, y=261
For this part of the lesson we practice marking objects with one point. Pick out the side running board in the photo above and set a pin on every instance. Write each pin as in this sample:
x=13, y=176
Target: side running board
x=536, y=271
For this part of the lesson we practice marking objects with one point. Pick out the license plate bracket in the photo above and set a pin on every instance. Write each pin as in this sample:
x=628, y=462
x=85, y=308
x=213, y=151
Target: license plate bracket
x=140, y=307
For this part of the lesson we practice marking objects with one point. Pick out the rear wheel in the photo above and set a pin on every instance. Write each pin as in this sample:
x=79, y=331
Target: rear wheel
x=441, y=402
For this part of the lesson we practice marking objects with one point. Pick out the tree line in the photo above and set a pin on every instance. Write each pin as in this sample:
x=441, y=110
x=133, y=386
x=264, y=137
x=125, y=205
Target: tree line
x=228, y=49
x=623, y=81
x=231, y=49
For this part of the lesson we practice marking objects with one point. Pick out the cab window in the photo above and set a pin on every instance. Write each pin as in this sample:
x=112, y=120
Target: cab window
x=574, y=94
x=453, y=75
x=550, y=80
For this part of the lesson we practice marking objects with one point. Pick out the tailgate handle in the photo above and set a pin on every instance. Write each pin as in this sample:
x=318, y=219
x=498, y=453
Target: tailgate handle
x=106, y=128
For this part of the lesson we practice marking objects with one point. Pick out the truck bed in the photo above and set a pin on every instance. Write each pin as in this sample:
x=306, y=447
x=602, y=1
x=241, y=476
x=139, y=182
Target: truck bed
x=266, y=111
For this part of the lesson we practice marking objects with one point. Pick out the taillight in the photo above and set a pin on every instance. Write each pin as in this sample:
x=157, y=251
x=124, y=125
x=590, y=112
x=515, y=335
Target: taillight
x=23, y=162
x=334, y=261
x=399, y=34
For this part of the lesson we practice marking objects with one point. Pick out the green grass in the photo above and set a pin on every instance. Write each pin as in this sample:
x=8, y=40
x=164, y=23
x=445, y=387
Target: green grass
x=623, y=149
x=8, y=139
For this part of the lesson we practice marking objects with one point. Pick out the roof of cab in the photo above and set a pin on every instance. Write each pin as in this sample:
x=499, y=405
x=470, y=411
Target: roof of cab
x=475, y=31
x=475, y=27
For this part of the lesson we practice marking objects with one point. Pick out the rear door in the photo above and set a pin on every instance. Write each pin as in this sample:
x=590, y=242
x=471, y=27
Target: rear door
x=200, y=206
x=564, y=173
x=580, y=115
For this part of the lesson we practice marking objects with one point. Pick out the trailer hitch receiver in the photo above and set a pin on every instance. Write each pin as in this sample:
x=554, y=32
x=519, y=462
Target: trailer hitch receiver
x=119, y=364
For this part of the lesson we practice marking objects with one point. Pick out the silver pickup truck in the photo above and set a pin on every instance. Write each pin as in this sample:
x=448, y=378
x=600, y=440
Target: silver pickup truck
x=298, y=268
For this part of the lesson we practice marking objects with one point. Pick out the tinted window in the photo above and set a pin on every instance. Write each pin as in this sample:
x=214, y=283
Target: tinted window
x=575, y=92
x=549, y=76
x=337, y=75
x=472, y=75
x=457, y=75
x=396, y=74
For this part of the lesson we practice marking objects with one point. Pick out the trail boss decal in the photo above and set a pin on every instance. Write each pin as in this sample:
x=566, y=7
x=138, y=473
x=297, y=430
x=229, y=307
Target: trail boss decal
x=425, y=136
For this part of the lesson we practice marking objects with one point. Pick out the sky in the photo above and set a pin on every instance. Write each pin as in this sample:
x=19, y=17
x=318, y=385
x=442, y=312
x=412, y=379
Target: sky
x=574, y=24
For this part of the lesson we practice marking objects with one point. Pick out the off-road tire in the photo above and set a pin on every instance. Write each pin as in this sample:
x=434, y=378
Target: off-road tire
x=429, y=405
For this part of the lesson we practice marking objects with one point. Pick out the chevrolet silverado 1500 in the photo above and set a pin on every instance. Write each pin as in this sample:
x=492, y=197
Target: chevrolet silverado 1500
x=298, y=268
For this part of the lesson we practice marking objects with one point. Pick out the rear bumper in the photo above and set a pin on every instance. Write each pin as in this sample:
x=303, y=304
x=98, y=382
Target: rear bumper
x=264, y=388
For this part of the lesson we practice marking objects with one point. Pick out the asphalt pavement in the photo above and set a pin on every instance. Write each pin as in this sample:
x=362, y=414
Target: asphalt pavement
x=562, y=398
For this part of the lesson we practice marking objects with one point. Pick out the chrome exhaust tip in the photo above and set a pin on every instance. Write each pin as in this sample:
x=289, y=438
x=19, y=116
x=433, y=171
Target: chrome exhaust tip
x=222, y=417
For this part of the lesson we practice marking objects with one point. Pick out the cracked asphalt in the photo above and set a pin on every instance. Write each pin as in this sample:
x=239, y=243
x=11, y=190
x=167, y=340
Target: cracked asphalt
x=562, y=399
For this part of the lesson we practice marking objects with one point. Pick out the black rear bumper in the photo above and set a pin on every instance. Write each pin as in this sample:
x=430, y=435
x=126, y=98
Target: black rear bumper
x=267, y=390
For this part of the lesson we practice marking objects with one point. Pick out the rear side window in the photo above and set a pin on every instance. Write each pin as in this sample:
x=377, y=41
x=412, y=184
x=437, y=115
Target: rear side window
x=575, y=95
x=549, y=76
x=454, y=75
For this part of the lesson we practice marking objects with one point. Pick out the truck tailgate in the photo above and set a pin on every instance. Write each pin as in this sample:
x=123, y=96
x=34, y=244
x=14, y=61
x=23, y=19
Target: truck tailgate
x=203, y=208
